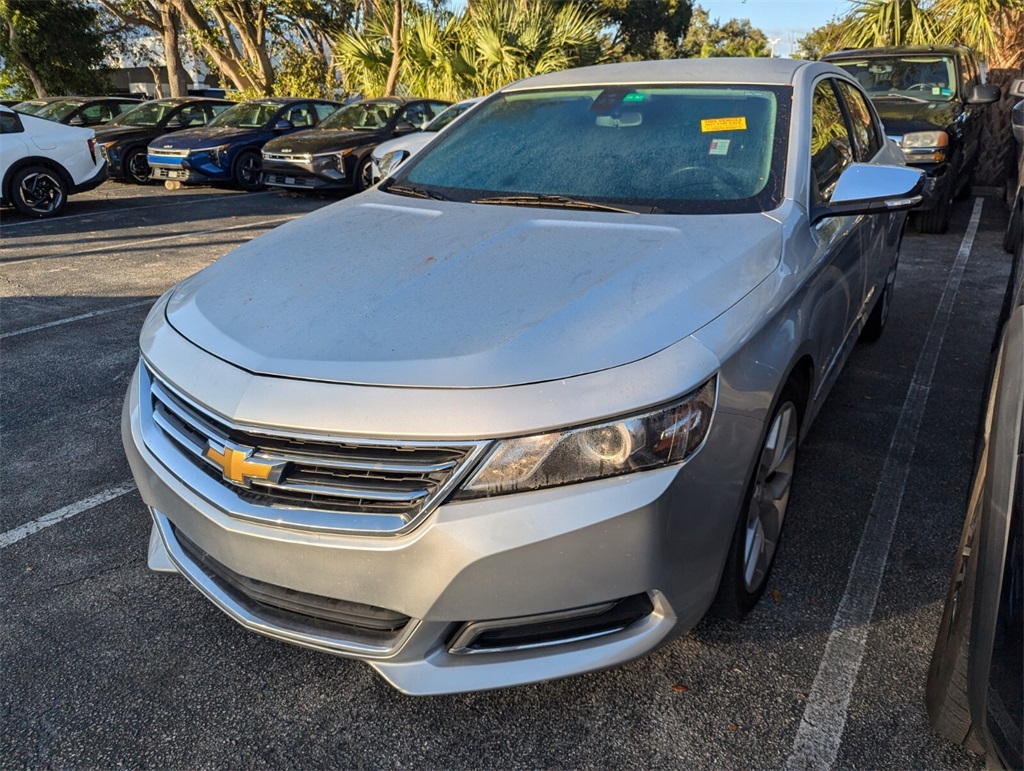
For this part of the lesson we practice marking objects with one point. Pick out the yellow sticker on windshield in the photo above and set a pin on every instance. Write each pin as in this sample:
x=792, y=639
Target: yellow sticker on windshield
x=723, y=124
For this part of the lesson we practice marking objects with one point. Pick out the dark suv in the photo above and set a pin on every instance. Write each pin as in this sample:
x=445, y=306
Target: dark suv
x=930, y=100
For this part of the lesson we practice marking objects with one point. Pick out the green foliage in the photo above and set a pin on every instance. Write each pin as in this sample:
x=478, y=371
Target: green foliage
x=486, y=45
x=642, y=29
x=820, y=41
x=736, y=37
x=56, y=46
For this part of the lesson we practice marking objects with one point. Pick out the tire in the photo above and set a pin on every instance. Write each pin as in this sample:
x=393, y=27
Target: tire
x=946, y=689
x=247, y=171
x=965, y=190
x=1014, y=228
x=38, y=191
x=936, y=220
x=759, y=528
x=136, y=167
x=364, y=174
x=875, y=324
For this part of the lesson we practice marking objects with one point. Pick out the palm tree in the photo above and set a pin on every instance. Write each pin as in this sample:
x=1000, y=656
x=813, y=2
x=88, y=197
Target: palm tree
x=889, y=23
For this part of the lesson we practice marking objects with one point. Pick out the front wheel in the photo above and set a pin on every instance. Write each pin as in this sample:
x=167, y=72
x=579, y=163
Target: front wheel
x=136, y=167
x=38, y=191
x=875, y=324
x=936, y=219
x=364, y=174
x=247, y=172
x=756, y=539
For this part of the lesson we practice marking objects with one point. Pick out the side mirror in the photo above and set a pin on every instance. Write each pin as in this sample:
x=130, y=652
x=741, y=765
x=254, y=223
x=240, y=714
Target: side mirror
x=78, y=120
x=867, y=188
x=284, y=125
x=404, y=127
x=1017, y=88
x=984, y=95
x=1017, y=121
x=174, y=124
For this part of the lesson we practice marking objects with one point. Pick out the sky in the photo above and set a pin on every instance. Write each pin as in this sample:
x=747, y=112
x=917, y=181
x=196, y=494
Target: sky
x=787, y=20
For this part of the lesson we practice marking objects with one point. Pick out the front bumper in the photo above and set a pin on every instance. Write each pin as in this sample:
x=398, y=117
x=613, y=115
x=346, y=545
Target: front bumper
x=319, y=174
x=189, y=170
x=661, y=534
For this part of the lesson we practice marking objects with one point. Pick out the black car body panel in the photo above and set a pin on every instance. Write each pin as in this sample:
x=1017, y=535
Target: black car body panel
x=331, y=158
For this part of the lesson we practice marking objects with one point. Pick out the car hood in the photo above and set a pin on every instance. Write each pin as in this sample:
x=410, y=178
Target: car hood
x=320, y=141
x=412, y=143
x=112, y=133
x=385, y=290
x=204, y=136
x=901, y=116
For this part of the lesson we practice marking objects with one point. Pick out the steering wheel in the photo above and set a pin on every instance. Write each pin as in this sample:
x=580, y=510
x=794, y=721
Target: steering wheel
x=921, y=87
x=724, y=184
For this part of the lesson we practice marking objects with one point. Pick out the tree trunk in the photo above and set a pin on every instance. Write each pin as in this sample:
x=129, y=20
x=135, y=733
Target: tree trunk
x=396, y=45
x=30, y=70
x=995, y=160
x=170, y=24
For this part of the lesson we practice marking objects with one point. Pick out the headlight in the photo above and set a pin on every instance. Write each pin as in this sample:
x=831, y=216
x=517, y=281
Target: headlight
x=658, y=437
x=391, y=161
x=215, y=153
x=339, y=159
x=109, y=148
x=925, y=146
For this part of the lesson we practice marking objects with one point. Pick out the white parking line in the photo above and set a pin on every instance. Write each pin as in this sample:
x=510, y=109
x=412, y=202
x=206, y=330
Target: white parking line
x=122, y=211
x=821, y=729
x=79, y=317
x=24, y=531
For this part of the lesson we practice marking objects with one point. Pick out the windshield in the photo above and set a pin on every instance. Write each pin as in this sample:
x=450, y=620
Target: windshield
x=361, y=116
x=448, y=116
x=918, y=78
x=247, y=115
x=57, y=111
x=673, y=149
x=145, y=115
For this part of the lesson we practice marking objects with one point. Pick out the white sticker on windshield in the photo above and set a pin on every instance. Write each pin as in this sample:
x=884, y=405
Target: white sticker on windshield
x=719, y=147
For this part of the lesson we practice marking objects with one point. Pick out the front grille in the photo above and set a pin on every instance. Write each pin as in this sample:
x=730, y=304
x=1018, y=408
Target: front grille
x=400, y=481
x=162, y=172
x=290, y=180
x=300, y=610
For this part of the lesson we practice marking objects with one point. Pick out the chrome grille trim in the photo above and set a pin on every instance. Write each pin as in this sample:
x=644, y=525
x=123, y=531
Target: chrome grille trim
x=167, y=153
x=295, y=157
x=329, y=483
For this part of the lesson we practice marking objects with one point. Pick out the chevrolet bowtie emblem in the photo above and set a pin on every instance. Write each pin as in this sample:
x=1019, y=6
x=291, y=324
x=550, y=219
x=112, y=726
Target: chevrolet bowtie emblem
x=237, y=465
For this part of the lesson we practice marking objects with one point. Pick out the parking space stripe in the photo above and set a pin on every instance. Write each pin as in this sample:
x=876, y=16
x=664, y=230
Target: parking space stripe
x=122, y=211
x=818, y=737
x=71, y=510
x=79, y=317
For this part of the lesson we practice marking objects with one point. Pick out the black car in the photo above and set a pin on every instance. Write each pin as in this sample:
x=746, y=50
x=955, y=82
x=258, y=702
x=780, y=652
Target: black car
x=336, y=154
x=930, y=100
x=975, y=688
x=84, y=110
x=1015, y=228
x=123, y=141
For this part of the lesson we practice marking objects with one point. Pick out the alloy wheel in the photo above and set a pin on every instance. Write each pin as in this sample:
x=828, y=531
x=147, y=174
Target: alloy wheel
x=41, y=192
x=770, y=496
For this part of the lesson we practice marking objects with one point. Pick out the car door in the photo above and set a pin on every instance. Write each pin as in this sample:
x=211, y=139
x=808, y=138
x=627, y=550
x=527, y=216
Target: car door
x=840, y=241
x=973, y=114
x=881, y=232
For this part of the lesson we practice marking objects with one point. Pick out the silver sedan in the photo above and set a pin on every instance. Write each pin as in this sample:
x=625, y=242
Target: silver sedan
x=532, y=407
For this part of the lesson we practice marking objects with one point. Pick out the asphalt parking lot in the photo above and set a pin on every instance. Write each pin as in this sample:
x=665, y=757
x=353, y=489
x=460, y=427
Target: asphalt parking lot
x=107, y=664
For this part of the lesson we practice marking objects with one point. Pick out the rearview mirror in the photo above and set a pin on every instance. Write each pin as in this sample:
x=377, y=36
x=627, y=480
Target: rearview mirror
x=867, y=188
x=983, y=95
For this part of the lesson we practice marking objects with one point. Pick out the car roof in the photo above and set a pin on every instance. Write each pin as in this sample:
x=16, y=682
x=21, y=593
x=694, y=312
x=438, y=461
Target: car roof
x=761, y=71
x=895, y=51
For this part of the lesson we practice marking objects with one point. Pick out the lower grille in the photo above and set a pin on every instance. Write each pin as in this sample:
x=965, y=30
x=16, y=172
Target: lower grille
x=524, y=633
x=288, y=180
x=299, y=610
x=162, y=172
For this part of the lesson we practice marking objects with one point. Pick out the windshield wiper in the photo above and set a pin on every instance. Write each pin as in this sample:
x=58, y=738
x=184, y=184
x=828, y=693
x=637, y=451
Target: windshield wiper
x=907, y=97
x=560, y=202
x=416, y=192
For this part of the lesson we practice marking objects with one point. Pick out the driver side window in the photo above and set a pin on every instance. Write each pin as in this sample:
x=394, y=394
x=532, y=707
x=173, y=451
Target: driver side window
x=831, y=147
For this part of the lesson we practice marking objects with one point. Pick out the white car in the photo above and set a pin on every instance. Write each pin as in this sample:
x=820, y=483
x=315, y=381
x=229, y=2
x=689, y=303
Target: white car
x=42, y=163
x=388, y=156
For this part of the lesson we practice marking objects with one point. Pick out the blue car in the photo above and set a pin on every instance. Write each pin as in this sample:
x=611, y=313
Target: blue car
x=227, y=149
